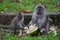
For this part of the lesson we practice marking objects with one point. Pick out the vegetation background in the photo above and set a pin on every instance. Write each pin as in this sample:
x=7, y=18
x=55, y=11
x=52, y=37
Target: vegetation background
x=22, y=5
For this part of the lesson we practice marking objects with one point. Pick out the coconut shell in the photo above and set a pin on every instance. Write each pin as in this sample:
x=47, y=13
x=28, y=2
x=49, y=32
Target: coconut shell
x=32, y=29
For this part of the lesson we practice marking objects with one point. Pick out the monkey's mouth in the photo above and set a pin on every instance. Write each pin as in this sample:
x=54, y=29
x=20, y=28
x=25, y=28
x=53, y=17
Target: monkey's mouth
x=39, y=12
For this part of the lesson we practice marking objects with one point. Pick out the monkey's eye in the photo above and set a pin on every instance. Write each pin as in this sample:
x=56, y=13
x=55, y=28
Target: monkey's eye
x=39, y=7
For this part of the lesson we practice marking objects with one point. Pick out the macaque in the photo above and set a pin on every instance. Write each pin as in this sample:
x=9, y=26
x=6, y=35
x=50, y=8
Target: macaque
x=17, y=22
x=40, y=18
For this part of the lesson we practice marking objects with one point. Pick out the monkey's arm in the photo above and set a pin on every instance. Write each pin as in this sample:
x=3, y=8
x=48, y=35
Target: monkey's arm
x=32, y=22
x=22, y=25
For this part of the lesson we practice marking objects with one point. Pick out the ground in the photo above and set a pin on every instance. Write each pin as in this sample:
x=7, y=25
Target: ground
x=10, y=36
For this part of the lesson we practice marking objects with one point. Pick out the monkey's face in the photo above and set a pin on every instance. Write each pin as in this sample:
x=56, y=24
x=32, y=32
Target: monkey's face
x=39, y=10
x=20, y=16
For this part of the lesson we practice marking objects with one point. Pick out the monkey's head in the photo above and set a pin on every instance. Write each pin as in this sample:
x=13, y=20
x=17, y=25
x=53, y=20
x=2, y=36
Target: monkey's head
x=20, y=15
x=40, y=10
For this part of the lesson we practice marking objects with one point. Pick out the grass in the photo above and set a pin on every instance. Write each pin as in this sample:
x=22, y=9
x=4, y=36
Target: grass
x=10, y=36
x=51, y=5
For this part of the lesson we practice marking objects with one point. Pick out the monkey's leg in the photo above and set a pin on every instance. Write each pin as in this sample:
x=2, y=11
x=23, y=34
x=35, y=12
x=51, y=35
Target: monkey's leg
x=40, y=32
x=20, y=33
x=47, y=28
x=15, y=31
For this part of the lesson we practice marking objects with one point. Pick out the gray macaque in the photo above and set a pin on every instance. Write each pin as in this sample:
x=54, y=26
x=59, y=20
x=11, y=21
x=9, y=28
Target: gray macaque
x=17, y=22
x=40, y=18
